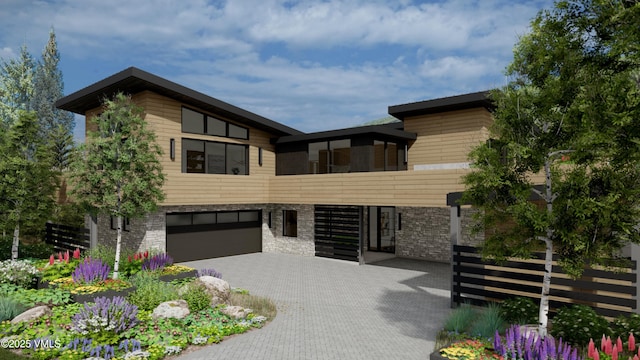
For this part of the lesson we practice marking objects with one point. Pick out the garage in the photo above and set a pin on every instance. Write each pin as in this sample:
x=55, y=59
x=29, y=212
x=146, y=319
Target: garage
x=205, y=235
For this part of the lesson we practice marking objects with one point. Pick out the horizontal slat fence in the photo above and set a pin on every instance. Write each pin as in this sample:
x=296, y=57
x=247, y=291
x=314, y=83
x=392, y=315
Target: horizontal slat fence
x=65, y=238
x=337, y=232
x=610, y=293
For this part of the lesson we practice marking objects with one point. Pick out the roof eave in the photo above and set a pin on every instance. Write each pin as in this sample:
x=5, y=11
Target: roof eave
x=452, y=103
x=133, y=80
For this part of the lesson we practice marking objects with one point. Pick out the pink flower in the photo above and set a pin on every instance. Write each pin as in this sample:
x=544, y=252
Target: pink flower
x=614, y=352
x=632, y=342
x=66, y=257
x=51, y=260
x=76, y=253
x=596, y=356
x=619, y=343
x=608, y=347
x=591, y=348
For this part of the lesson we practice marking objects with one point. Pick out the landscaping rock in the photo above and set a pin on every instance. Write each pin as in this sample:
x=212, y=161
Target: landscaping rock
x=217, y=288
x=236, y=312
x=177, y=309
x=32, y=314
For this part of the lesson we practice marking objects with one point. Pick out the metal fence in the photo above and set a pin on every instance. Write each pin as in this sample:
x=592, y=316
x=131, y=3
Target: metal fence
x=610, y=292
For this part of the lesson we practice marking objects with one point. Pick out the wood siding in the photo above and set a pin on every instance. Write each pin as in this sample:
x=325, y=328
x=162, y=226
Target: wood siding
x=446, y=137
x=385, y=188
x=442, y=138
x=163, y=116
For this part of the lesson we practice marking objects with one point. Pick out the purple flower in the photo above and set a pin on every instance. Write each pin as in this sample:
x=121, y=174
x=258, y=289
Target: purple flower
x=90, y=271
x=209, y=272
x=106, y=314
x=157, y=262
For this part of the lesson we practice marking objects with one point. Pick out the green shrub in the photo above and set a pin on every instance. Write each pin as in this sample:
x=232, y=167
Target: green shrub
x=107, y=254
x=10, y=308
x=519, y=310
x=150, y=291
x=623, y=326
x=577, y=324
x=460, y=319
x=197, y=297
x=35, y=250
x=488, y=322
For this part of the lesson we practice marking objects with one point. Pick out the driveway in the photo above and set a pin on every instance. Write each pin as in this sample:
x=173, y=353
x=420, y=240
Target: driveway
x=332, y=309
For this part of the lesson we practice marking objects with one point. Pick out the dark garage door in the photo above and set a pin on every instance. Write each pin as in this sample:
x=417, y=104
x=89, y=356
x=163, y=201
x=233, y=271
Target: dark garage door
x=204, y=235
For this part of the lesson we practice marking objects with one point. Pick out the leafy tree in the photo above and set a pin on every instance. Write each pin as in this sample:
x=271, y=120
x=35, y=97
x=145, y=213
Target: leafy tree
x=56, y=125
x=16, y=87
x=117, y=172
x=27, y=185
x=571, y=114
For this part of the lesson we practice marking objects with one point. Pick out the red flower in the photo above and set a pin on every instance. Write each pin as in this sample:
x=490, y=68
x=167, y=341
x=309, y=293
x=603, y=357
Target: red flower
x=51, y=260
x=135, y=256
x=76, y=253
x=129, y=258
x=146, y=254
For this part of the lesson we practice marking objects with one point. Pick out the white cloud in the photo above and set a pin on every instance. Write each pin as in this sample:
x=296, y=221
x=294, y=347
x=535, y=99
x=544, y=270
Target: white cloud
x=7, y=53
x=314, y=65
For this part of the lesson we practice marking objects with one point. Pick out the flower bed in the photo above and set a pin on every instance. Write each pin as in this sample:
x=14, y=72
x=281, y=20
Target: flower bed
x=94, y=316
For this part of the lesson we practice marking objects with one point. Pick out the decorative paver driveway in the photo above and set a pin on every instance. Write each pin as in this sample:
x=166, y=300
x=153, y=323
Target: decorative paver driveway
x=331, y=309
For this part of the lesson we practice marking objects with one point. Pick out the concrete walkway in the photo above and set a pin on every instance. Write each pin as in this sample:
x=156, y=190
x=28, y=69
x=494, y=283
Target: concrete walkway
x=332, y=309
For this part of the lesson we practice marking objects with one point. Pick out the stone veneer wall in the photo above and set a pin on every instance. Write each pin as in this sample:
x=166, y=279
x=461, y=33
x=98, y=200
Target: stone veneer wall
x=274, y=242
x=466, y=222
x=424, y=233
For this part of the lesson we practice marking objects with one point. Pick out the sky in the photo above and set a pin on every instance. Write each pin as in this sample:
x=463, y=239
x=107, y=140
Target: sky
x=312, y=65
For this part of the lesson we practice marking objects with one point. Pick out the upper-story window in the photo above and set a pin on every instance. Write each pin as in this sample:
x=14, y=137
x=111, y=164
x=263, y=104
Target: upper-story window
x=386, y=155
x=198, y=123
x=208, y=157
x=330, y=157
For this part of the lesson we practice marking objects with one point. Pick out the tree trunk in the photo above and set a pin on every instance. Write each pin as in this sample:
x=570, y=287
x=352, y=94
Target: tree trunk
x=543, y=315
x=116, y=264
x=16, y=241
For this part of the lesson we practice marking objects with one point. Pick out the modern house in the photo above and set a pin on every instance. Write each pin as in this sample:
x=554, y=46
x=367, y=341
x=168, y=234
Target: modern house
x=237, y=182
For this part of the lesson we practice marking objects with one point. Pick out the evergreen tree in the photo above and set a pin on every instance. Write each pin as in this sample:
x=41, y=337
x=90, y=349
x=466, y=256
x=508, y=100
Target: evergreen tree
x=56, y=125
x=16, y=87
x=571, y=113
x=117, y=171
x=27, y=184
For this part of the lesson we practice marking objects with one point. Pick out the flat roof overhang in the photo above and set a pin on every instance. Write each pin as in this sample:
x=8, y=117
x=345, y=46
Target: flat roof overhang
x=459, y=102
x=393, y=131
x=133, y=80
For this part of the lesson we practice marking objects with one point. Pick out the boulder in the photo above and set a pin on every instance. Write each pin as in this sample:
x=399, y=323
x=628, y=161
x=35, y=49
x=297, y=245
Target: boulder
x=236, y=312
x=217, y=288
x=32, y=314
x=176, y=309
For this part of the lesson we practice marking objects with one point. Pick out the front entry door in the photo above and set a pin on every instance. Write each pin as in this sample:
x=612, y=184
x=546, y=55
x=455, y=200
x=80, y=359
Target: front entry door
x=382, y=226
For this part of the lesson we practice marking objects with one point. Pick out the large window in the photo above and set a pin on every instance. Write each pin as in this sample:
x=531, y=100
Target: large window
x=208, y=157
x=198, y=123
x=386, y=156
x=290, y=223
x=330, y=157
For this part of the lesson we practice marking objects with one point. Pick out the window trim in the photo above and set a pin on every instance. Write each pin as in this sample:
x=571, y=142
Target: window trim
x=205, y=124
x=285, y=221
x=126, y=223
x=183, y=165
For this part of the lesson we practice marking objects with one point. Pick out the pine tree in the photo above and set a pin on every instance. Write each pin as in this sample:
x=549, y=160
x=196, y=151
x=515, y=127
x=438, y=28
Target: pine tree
x=27, y=184
x=16, y=87
x=55, y=125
